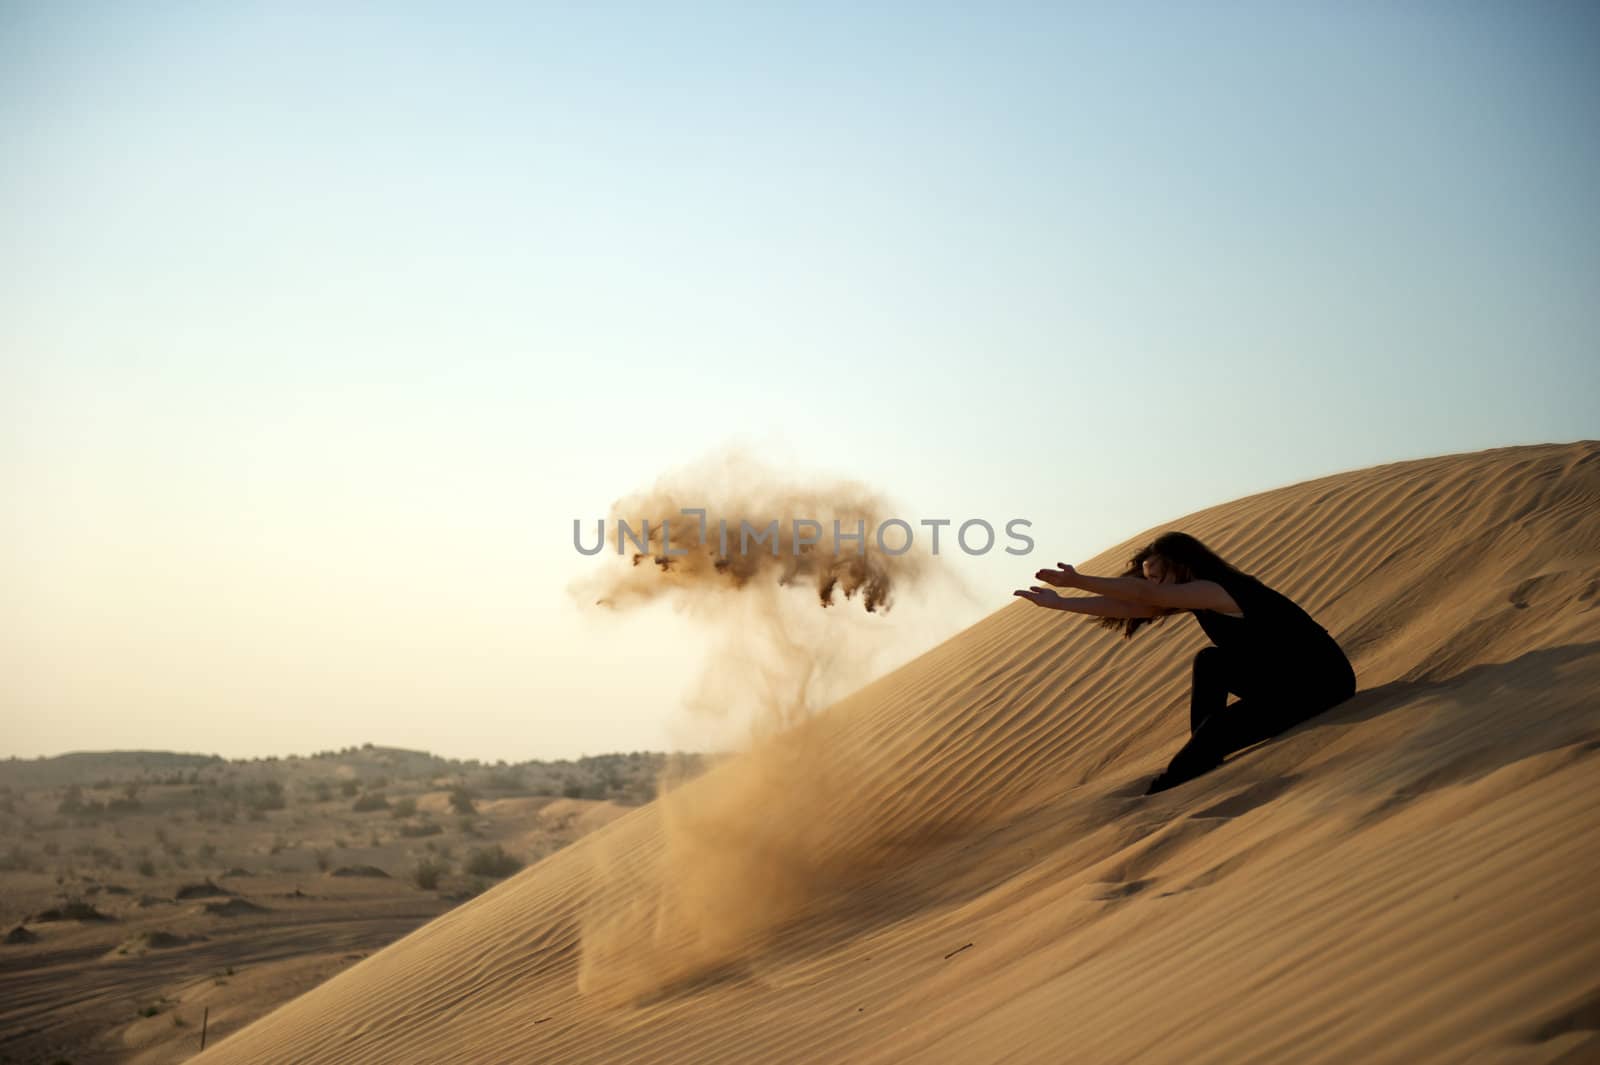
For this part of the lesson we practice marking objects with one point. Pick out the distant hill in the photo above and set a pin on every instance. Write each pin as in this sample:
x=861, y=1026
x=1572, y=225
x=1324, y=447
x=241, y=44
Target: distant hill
x=627, y=777
x=85, y=767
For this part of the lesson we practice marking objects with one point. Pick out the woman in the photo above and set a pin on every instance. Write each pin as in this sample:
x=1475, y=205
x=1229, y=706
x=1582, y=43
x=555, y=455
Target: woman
x=1267, y=650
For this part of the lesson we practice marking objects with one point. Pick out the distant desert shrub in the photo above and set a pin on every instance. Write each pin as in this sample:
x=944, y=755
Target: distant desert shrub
x=427, y=873
x=234, y=908
x=360, y=870
x=461, y=800
x=406, y=807
x=415, y=830
x=324, y=858
x=204, y=890
x=584, y=790
x=72, y=910
x=504, y=780
x=348, y=788
x=372, y=800
x=146, y=867
x=264, y=796
x=73, y=804
x=548, y=785
x=491, y=862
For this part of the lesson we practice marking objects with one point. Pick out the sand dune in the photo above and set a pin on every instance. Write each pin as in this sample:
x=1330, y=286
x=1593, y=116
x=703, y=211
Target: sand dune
x=954, y=864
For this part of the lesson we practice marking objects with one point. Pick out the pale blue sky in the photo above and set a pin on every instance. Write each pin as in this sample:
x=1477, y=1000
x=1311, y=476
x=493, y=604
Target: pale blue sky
x=319, y=329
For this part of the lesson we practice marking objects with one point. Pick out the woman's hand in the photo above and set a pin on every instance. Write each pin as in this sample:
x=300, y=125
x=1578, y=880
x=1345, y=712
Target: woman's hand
x=1063, y=576
x=1041, y=596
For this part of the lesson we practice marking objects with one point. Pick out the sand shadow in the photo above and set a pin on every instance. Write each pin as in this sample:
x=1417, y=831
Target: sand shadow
x=1536, y=670
x=1535, y=673
x=1242, y=802
x=1538, y=686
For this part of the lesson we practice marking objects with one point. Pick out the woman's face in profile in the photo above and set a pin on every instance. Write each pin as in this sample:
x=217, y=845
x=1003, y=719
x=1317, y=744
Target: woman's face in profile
x=1155, y=569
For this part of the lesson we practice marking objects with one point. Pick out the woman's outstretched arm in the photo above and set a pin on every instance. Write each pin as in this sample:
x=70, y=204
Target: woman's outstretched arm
x=1183, y=595
x=1096, y=605
x=1131, y=589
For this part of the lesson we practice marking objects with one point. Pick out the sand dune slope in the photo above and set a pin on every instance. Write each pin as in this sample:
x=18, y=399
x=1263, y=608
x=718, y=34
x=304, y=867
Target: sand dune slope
x=954, y=864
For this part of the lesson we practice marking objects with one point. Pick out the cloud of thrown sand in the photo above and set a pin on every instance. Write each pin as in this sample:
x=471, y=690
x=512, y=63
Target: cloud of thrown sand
x=740, y=529
x=775, y=657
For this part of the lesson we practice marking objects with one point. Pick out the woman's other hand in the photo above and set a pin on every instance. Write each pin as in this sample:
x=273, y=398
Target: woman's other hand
x=1062, y=576
x=1039, y=596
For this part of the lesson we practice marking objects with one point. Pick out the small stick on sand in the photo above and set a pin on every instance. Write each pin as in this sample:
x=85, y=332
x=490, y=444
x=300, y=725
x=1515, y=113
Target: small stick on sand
x=953, y=953
x=205, y=1018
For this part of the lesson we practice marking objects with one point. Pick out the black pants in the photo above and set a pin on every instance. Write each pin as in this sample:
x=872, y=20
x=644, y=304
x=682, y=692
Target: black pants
x=1273, y=697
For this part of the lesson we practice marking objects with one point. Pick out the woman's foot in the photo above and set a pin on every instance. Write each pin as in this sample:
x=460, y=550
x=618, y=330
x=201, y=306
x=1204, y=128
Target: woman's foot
x=1159, y=782
x=1184, y=767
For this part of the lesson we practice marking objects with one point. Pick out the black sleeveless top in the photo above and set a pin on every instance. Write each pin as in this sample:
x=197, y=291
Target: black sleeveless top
x=1274, y=627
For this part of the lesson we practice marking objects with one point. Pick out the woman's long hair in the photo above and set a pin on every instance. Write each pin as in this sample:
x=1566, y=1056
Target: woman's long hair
x=1187, y=558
